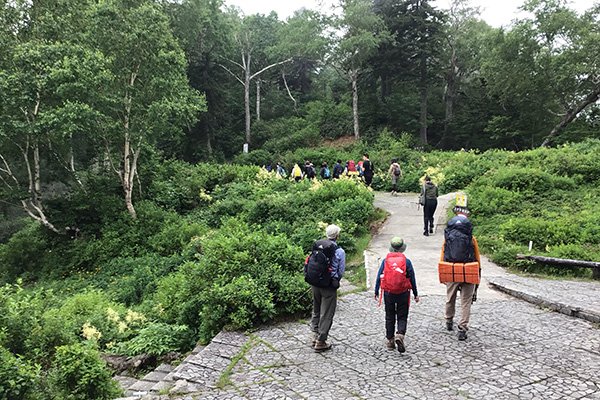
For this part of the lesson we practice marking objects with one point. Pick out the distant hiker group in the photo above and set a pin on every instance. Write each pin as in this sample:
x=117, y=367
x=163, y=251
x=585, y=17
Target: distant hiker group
x=363, y=170
x=459, y=269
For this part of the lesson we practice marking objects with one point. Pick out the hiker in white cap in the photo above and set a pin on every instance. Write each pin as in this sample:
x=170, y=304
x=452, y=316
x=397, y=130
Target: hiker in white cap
x=323, y=270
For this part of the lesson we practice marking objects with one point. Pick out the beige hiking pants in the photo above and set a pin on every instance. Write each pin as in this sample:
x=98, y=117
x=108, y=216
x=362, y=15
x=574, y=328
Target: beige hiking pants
x=466, y=299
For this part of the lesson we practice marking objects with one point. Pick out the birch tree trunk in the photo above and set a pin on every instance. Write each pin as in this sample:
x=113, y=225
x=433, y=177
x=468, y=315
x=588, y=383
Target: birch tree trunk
x=258, y=99
x=129, y=164
x=248, y=76
x=247, y=103
x=354, y=80
x=34, y=205
x=209, y=144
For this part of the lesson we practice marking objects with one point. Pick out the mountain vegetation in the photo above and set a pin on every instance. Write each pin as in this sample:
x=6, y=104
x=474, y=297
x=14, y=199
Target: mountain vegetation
x=132, y=221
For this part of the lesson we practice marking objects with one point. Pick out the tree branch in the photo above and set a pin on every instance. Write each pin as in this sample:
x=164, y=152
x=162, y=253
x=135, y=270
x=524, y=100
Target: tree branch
x=232, y=74
x=269, y=67
x=40, y=217
x=288, y=91
x=8, y=171
x=236, y=63
x=571, y=114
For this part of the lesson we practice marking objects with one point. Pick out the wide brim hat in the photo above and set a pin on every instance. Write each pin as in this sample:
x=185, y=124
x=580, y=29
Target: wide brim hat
x=397, y=245
x=461, y=209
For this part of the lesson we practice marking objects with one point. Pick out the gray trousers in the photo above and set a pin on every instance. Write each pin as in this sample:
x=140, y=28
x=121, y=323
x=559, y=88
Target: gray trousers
x=466, y=299
x=324, y=303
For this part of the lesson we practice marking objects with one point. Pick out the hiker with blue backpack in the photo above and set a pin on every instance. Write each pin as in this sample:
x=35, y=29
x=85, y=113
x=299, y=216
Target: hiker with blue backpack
x=325, y=173
x=323, y=270
x=338, y=170
x=396, y=279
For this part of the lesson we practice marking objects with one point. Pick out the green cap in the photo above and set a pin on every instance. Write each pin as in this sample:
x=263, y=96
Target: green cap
x=397, y=245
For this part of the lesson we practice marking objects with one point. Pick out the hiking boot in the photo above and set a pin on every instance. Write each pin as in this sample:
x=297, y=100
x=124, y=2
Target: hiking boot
x=390, y=344
x=400, y=342
x=449, y=326
x=430, y=230
x=425, y=233
x=315, y=338
x=462, y=335
x=321, y=346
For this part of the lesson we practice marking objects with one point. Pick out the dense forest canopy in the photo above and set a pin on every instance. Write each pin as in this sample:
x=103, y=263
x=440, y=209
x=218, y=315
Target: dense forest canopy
x=100, y=87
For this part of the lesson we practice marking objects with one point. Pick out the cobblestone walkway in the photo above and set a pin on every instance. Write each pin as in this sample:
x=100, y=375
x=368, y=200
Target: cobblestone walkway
x=515, y=350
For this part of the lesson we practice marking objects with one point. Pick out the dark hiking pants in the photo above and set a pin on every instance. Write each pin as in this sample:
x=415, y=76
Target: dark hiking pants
x=396, y=312
x=368, y=179
x=428, y=211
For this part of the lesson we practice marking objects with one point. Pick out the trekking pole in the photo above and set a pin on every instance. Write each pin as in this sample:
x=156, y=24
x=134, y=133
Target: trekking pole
x=380, y=288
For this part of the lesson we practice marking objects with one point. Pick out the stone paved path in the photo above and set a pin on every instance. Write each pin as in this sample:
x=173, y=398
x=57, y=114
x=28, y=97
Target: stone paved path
x=515, y=350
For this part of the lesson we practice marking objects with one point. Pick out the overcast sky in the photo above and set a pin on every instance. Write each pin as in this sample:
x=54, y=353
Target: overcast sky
x=496, y=12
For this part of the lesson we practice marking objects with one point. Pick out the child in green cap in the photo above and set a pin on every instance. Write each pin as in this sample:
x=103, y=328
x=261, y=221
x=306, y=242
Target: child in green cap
x=396, y=278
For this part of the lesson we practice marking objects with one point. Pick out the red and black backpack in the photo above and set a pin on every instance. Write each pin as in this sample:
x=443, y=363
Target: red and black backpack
x=394, y=278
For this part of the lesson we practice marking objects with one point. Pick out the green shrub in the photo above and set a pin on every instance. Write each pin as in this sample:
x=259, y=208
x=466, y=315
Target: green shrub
x=487, y=200
x=20, y=315
x=174, y=235
x=542, y=232
x=526, y=179
x=258, y=157
x=19, y=378
x=92, y=308
x=23, y=255
x=78, y=373
x=238, y=304
x=333, y=120
x=157, y=339
x=237, y=250
x=133, y=279
x=176, y=300
x=353, y=213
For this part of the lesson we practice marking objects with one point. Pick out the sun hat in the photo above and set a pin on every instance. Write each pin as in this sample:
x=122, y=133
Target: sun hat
x=332, y=231
x=461, y=210
x=397, y=244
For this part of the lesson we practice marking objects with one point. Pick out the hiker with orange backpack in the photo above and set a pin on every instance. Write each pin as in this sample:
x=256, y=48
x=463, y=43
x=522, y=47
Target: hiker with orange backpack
x=396, y=278
x=460, y=268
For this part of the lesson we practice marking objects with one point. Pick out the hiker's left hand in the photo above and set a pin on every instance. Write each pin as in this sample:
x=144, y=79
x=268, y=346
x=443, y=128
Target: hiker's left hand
x=417, y=299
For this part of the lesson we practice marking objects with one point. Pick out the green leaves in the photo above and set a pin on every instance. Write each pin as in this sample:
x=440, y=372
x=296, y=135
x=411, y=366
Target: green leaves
x=552, y=64
x=363, y=31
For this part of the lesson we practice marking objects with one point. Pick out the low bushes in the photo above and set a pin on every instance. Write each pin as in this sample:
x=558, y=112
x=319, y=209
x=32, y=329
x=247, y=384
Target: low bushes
x=540, y=197
x=213, y=247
